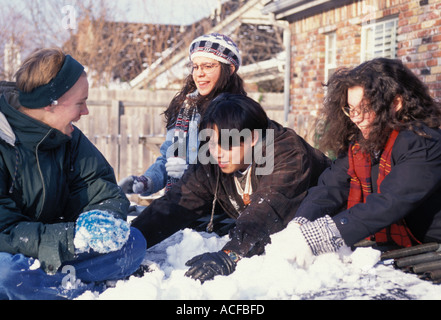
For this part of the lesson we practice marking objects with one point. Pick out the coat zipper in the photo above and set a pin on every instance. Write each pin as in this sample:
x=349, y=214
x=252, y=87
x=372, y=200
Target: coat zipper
x=41, y=173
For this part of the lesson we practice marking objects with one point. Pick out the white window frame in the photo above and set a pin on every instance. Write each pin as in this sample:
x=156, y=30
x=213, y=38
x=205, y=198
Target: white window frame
x=379, y=39
x=331, y=53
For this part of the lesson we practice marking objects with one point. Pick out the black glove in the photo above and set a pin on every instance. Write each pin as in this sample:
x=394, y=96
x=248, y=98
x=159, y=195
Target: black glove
x=208, y=265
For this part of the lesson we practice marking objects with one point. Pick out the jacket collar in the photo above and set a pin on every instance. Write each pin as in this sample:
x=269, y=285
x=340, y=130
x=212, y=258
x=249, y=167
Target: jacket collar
x=6, y=132
x=16, y=127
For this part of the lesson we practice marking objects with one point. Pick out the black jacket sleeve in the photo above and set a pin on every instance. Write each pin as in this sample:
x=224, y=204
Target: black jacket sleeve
x=185, y=202
x=414, y=181
x=415, y=177
x=330, y=196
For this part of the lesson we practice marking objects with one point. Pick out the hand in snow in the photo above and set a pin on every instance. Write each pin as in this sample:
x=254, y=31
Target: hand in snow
x=303, y=254
x=301, y=242
x=176, y=167
x=100, y=231
x=208, y=265
x=290, y=245
x=134, y=184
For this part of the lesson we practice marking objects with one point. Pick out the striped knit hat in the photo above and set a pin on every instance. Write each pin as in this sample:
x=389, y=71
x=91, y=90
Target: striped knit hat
x=218, y=47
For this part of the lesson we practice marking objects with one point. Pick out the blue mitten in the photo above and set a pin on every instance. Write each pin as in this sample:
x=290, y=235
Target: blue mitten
x=100, y=231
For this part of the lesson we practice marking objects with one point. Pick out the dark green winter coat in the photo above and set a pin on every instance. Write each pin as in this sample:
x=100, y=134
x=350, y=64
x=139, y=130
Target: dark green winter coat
x=46, y=180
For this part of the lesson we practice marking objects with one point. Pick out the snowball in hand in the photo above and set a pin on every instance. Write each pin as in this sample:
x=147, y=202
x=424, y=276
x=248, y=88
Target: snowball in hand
x=100, y=231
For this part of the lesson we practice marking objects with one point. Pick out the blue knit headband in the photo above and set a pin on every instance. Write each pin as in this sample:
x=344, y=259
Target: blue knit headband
x=47, y=94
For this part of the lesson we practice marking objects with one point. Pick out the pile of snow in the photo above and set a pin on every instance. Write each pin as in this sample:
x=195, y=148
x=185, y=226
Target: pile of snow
x=343, y=275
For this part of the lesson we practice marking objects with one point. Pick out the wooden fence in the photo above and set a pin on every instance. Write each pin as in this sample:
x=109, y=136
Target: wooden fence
x=128, y=127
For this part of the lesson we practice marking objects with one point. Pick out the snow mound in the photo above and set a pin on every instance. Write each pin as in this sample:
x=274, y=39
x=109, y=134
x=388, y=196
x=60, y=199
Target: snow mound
x=342, y=275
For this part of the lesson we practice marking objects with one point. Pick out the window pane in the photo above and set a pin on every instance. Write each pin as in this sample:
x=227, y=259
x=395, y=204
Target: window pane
x=379, y=40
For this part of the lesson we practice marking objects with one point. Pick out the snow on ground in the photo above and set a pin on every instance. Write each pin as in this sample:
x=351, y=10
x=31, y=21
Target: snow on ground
x=272, y=276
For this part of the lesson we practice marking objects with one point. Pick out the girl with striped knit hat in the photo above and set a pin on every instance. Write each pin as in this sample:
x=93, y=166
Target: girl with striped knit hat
x=214, y=62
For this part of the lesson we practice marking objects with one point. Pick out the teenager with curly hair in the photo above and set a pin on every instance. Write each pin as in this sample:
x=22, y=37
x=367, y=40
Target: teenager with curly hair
x=385, y=184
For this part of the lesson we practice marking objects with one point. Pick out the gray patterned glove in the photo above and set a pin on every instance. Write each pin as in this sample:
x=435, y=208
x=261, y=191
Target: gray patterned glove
x=134, y=184
x=322, y=235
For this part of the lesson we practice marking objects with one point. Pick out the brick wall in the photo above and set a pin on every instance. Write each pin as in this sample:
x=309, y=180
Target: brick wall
x=419, y=41
x=419, y=47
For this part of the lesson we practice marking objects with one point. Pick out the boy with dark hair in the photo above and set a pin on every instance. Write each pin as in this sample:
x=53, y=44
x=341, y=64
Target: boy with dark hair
x=257, y=171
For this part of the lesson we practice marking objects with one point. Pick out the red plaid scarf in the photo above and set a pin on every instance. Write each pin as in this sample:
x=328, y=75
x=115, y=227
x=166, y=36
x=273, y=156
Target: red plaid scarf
x=361, y=187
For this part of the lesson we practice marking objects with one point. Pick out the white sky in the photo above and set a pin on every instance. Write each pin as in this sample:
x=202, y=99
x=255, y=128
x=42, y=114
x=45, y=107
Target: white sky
x=179, y=12
x=167, y=11
x=148, y=11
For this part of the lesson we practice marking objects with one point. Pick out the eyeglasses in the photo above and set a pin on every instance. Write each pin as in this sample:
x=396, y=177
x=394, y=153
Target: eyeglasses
x=355, y=112
x=206, y=68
